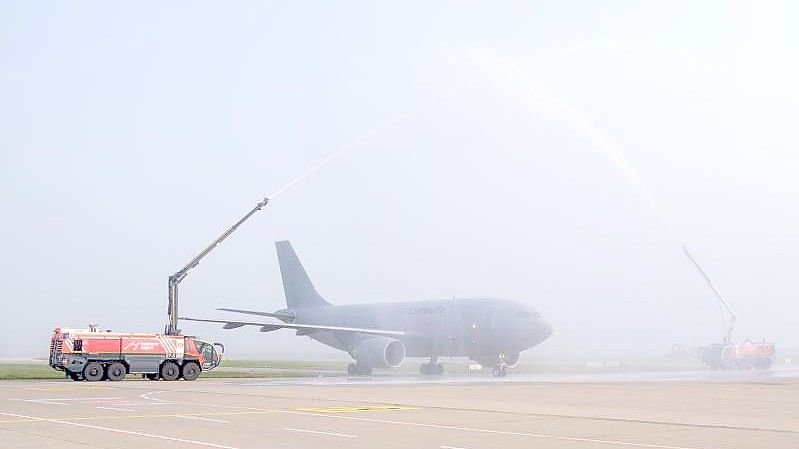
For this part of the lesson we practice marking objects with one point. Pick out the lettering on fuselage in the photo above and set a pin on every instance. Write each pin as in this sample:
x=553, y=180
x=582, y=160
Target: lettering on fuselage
x=426, y=310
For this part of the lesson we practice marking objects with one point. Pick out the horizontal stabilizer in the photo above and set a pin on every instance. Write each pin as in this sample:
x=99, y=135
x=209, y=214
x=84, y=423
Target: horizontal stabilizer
x=306, y=328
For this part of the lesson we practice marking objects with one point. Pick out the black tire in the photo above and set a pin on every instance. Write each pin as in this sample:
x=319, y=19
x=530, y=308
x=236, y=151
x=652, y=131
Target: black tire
x=170, y=370
x=74, y=376
x=115, y=372
x=431, y=369
x=151, y=376
x=93, y=372
x=500, y=371
x=356, y=369
x=190, y=371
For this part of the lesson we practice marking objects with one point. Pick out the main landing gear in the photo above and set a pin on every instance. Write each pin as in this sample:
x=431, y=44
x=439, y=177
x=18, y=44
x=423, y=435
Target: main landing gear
x=432, y=368
x=356, y=369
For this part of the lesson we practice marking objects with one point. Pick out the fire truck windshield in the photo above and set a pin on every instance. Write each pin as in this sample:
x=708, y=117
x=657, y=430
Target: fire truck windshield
x=208, y=352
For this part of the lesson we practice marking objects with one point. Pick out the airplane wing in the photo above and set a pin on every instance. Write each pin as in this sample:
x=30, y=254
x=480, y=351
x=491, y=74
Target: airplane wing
x=287, y=316
x=307, y=328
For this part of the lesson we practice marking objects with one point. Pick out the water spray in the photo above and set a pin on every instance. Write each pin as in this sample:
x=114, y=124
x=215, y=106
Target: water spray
x=175, y=279
x=500, y=68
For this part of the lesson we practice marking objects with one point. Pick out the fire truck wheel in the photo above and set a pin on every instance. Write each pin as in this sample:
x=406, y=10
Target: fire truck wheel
x=74, y=376
x=170, y=370
x=191, y=371
x=151, y=376
x=93, y=372
x=116, y=371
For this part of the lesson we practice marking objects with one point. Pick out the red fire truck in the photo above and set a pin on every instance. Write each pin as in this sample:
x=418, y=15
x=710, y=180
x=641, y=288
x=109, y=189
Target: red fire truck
x=92, y=355
x=739, y=356
x=728, y=355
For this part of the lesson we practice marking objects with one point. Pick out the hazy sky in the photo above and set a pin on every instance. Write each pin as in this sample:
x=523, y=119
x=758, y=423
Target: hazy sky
x=558, y=153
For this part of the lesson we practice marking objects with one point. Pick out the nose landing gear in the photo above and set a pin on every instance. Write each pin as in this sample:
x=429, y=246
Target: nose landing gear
x=501, y=367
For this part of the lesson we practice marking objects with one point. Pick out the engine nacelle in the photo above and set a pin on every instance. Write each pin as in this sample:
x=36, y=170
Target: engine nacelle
x=379, y=352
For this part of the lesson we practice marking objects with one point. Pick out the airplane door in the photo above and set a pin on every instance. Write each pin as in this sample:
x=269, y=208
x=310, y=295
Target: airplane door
x=452, y=323
x=483, y=331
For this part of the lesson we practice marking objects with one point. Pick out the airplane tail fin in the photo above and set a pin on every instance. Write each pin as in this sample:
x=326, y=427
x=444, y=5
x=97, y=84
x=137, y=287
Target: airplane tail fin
x=299, y=290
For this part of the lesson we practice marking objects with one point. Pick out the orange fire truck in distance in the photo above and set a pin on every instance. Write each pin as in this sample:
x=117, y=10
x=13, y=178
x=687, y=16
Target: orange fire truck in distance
x=92, y=355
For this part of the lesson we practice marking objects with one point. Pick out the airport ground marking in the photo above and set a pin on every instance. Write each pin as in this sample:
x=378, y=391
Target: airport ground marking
x=471, y=429
x=61, y=401
x=201, y=418
x=144, y=404
x=129, y=417
x=319, y=432
x=123, y=431
x=355, y=408
x=63, y=388
x=117, y=409
x=149, y=393
x=503, y=432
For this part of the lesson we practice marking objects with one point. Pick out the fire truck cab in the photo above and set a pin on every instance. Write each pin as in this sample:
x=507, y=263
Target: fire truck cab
x=93, y=354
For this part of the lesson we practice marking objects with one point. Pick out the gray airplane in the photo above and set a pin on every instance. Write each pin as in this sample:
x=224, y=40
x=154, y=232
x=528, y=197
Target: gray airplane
x=491, y=332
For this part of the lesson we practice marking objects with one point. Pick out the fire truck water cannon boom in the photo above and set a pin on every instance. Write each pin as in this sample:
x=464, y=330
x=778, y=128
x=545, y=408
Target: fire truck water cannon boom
x=729, y=355
x=729, y=325
x=175, y=279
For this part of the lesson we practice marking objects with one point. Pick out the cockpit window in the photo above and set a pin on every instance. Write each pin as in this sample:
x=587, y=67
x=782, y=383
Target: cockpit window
x=527, y=314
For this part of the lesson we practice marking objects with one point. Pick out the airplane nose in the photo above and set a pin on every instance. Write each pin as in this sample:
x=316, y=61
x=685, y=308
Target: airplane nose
x=541, y=331
x=547, y=329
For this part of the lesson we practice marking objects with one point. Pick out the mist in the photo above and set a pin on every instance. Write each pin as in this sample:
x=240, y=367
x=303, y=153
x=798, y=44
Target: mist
x=555, y=154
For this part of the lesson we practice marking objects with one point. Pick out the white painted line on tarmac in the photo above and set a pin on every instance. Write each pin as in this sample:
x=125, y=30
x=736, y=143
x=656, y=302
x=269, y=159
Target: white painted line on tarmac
x=319, y=432
x=149, y=393
x=503, y=432
x=201, y=418
x=127, y=432
x=75, y=399
x=137, y=404
x=117, y=409
x=28, y=400
x=468, y=429
x=60, y=401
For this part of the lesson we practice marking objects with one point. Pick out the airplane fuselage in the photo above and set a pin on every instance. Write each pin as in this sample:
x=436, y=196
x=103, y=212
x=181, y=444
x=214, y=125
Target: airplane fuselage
x=476, y=328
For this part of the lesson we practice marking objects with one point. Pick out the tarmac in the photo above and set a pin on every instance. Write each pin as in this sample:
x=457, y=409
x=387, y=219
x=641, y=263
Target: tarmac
x=453, y=412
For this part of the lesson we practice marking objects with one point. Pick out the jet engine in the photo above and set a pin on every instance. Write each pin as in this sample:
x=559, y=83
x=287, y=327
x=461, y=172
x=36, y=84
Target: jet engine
x=379, y=352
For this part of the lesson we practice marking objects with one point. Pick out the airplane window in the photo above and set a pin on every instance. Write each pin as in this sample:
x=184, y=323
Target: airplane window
x=526, y=314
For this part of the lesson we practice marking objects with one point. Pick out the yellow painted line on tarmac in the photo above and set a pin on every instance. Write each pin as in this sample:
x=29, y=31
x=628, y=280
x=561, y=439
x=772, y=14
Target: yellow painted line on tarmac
x=355, y=408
